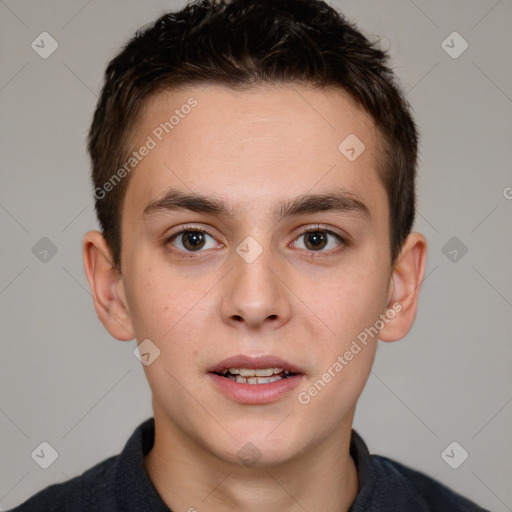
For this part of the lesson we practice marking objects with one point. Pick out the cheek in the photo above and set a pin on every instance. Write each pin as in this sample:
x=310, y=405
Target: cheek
x=350, y=306
x=348, y=300
x=167, y=306
x=156, y=300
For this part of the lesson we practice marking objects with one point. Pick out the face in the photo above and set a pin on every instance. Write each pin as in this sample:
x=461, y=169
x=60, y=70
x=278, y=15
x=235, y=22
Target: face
x=248, y=276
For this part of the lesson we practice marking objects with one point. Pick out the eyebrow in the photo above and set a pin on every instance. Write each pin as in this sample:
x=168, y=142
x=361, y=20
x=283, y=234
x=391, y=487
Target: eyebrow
x=338, y=201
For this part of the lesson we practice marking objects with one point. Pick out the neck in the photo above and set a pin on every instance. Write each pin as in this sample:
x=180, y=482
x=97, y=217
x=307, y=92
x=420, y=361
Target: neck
x=188, y=477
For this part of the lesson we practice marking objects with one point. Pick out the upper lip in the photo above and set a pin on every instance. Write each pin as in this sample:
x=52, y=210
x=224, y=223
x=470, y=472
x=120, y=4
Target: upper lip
x=254, y=362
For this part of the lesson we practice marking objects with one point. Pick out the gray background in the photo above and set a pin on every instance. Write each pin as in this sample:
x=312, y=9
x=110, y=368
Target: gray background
x=64, y=380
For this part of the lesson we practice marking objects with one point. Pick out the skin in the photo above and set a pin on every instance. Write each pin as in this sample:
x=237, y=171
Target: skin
x=253, y=149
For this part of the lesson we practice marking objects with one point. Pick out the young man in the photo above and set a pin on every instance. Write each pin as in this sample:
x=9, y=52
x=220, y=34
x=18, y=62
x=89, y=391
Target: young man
x=254, y=168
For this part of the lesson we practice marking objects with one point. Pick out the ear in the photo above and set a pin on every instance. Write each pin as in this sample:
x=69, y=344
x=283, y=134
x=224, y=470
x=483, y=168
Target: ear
x=107, y=287
x=404, y=287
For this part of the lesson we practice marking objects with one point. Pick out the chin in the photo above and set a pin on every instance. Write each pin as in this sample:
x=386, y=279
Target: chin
x=262, y=447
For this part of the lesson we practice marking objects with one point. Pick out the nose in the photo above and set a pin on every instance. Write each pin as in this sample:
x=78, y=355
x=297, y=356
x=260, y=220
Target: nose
x=254, y=293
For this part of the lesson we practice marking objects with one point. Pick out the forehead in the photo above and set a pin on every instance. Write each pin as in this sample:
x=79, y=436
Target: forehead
x=255, y=147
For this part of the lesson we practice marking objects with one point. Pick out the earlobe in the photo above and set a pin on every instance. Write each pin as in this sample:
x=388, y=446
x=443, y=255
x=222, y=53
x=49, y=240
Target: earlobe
x=405, y=287
x=107, y=288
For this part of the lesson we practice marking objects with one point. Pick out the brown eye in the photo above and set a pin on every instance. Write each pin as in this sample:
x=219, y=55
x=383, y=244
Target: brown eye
x=318, y=239
x=315, y=240
x=190, y=240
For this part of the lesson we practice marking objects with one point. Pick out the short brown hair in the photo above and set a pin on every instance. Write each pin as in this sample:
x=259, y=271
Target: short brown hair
x=241, y=43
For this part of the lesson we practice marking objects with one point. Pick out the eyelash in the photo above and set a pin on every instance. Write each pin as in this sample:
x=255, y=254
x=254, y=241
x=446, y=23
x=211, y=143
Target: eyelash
x=314, y=229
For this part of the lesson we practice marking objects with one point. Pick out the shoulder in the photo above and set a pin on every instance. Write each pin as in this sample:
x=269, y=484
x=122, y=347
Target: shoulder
x=427, y=492
x=92, y=490
x=118, y=483
x=386, y=485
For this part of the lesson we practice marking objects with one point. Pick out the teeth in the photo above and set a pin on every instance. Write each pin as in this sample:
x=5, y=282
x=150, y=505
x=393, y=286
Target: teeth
x=255, y=376
x=245, y=372
x=259, y=372
x=256, y=380
x=266, y=372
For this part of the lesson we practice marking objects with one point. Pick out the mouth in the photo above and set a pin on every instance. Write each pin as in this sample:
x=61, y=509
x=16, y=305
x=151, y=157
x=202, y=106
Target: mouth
x=255, y=380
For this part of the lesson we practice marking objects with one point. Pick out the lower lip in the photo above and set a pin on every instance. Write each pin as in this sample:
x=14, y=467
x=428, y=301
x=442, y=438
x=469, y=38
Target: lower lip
x=255, y=394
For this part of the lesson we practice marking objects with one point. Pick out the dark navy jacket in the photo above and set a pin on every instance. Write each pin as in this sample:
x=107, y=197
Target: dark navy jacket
x=121, y=484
